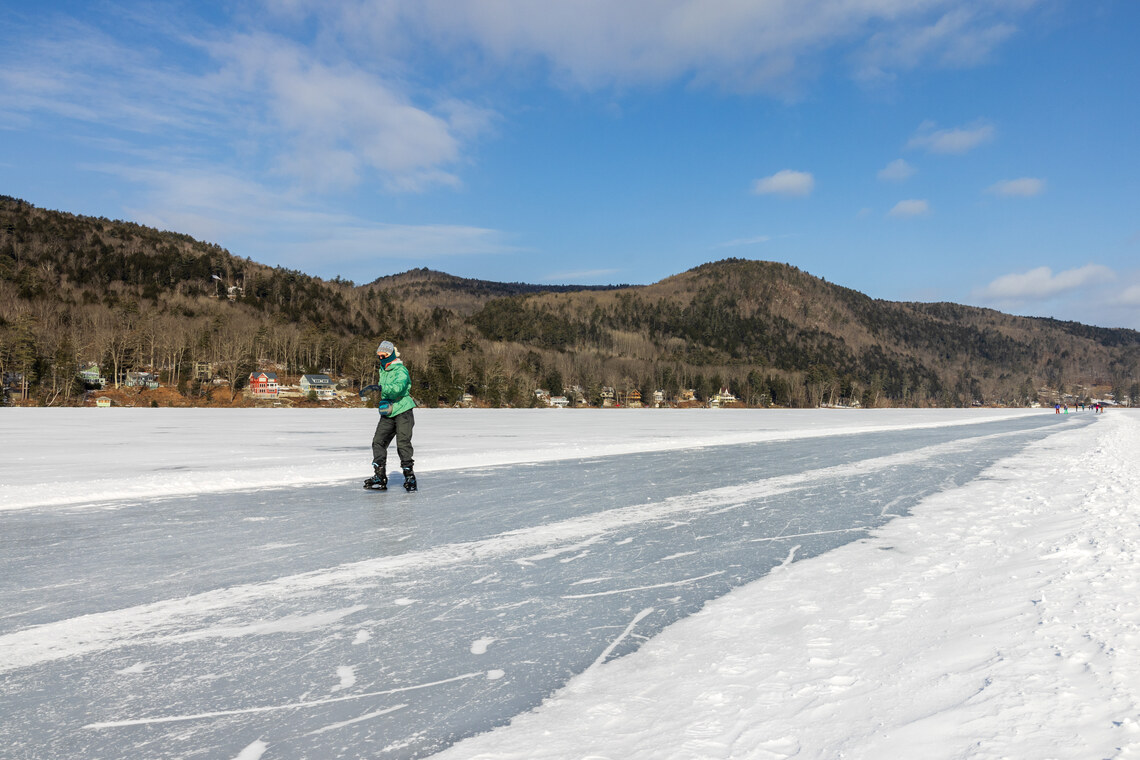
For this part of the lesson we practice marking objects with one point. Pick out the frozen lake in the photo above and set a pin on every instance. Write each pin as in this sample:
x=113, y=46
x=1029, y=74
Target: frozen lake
x=322, y=620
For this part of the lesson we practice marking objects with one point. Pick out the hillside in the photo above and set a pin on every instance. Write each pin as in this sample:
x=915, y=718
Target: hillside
x=77, y=289
x=815, y=341
x=462, y=295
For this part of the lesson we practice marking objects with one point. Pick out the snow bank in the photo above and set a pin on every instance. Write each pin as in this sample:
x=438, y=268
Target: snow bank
x=1002, y=619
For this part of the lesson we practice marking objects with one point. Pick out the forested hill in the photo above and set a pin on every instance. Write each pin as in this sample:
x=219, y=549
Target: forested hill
x=77, y=289
x=805, y=335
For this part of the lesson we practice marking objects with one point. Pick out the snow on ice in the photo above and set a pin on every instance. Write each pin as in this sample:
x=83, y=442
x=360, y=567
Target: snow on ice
x=999, y=618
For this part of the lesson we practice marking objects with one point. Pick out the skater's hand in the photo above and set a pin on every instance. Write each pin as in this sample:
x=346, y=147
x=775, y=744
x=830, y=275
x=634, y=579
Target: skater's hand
x=368, y=389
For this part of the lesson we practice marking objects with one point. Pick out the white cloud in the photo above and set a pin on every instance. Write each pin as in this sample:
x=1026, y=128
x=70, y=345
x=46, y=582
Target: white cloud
x=949, y=36
x=211, y=205
x=1042, y=283
x=82, y=74
x=1130, y=296
x=785, y=182
x=897, y=171
x=957, y=140
x=340, y=120
x=354, y=99
x=355, y=240
x=283, y=106
x=739, y=45
x=745, y=241
x=579, y=277
x=910, y=208
x=1024, y=187
x=277, y=226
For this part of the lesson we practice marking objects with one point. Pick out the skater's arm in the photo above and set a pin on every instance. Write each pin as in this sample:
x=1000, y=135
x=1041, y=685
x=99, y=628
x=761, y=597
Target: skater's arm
x=395, y=384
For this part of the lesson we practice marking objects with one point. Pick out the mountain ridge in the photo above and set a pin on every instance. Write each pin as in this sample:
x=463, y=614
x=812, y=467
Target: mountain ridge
x=76, y=289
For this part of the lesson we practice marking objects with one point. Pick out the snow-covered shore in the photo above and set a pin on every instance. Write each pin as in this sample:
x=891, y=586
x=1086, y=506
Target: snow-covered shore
x=1000, y=620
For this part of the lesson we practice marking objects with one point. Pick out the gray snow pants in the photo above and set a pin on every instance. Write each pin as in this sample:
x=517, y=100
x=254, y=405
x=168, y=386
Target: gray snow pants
x=400, y=428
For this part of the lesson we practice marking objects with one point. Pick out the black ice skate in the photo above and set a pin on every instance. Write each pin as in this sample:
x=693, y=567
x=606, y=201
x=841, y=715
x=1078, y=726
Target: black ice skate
x=379, y=479
x=409, y=479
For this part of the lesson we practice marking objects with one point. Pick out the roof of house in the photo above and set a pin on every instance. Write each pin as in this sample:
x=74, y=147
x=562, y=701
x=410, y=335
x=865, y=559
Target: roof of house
x=317, y=379
x=268, y=375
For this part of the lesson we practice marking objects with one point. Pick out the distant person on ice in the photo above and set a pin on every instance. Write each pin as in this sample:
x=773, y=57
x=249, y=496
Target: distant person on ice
x=396, y=419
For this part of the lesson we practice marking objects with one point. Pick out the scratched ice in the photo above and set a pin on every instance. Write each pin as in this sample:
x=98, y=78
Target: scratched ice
x=333, y=622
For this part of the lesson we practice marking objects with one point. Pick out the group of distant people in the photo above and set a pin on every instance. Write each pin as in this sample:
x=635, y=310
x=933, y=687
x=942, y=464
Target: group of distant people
x=1097, y=407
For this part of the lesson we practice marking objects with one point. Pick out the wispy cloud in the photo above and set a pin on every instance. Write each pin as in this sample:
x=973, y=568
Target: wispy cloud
x=338, y=119
x=278, y=105
x=579, y=276
x=1042, y=282
x=911, y=207
x=279, y=225
x=785, y=182
x=744, y=241
x=955, y=35
x=1024, y=187
x=1130, y=296
x=897, y=171
x=356, y=240
x=737, y=46
x=957, y=140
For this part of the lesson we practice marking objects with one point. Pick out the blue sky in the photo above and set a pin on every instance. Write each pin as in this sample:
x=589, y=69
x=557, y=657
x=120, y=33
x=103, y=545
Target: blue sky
x=976, y=151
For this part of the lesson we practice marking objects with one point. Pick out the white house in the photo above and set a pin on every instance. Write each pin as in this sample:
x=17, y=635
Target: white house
x=91, y=376
x=321, y=384
x=139, y=379
x=723, y=397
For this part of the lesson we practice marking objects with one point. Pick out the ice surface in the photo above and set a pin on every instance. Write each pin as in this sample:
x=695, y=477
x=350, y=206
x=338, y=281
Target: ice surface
x=87, y=456
x=314, y=619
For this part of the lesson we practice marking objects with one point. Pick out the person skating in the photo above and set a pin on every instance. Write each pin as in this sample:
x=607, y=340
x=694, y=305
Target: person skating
x=396, y=419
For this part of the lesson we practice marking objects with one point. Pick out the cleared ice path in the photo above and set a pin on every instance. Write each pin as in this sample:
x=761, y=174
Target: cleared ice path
x=333, y=622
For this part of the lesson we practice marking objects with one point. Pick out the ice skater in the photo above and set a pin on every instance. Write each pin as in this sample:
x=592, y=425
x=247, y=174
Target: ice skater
x=396, y=419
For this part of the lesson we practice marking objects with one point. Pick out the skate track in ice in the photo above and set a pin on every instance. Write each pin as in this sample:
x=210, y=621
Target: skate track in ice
x=328, y=621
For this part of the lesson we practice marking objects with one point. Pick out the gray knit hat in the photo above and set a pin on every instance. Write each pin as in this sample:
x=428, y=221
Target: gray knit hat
x=387, y=347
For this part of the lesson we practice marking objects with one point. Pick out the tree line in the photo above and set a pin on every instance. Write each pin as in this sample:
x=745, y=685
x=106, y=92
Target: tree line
x=75, y=290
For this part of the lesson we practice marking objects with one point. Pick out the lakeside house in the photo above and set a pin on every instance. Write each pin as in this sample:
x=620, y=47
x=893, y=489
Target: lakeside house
x=723, y=397
x=263, y=385
x=92, y=377
x=139, y=379
x=322, y=385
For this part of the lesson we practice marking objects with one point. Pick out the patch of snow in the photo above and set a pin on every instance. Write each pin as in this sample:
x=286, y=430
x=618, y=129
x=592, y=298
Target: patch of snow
x=479, y=646
x=253, y=751
x=1000, y=619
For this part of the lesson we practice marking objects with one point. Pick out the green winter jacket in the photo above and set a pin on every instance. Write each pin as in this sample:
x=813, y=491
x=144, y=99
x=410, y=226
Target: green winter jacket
x=396, y=387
